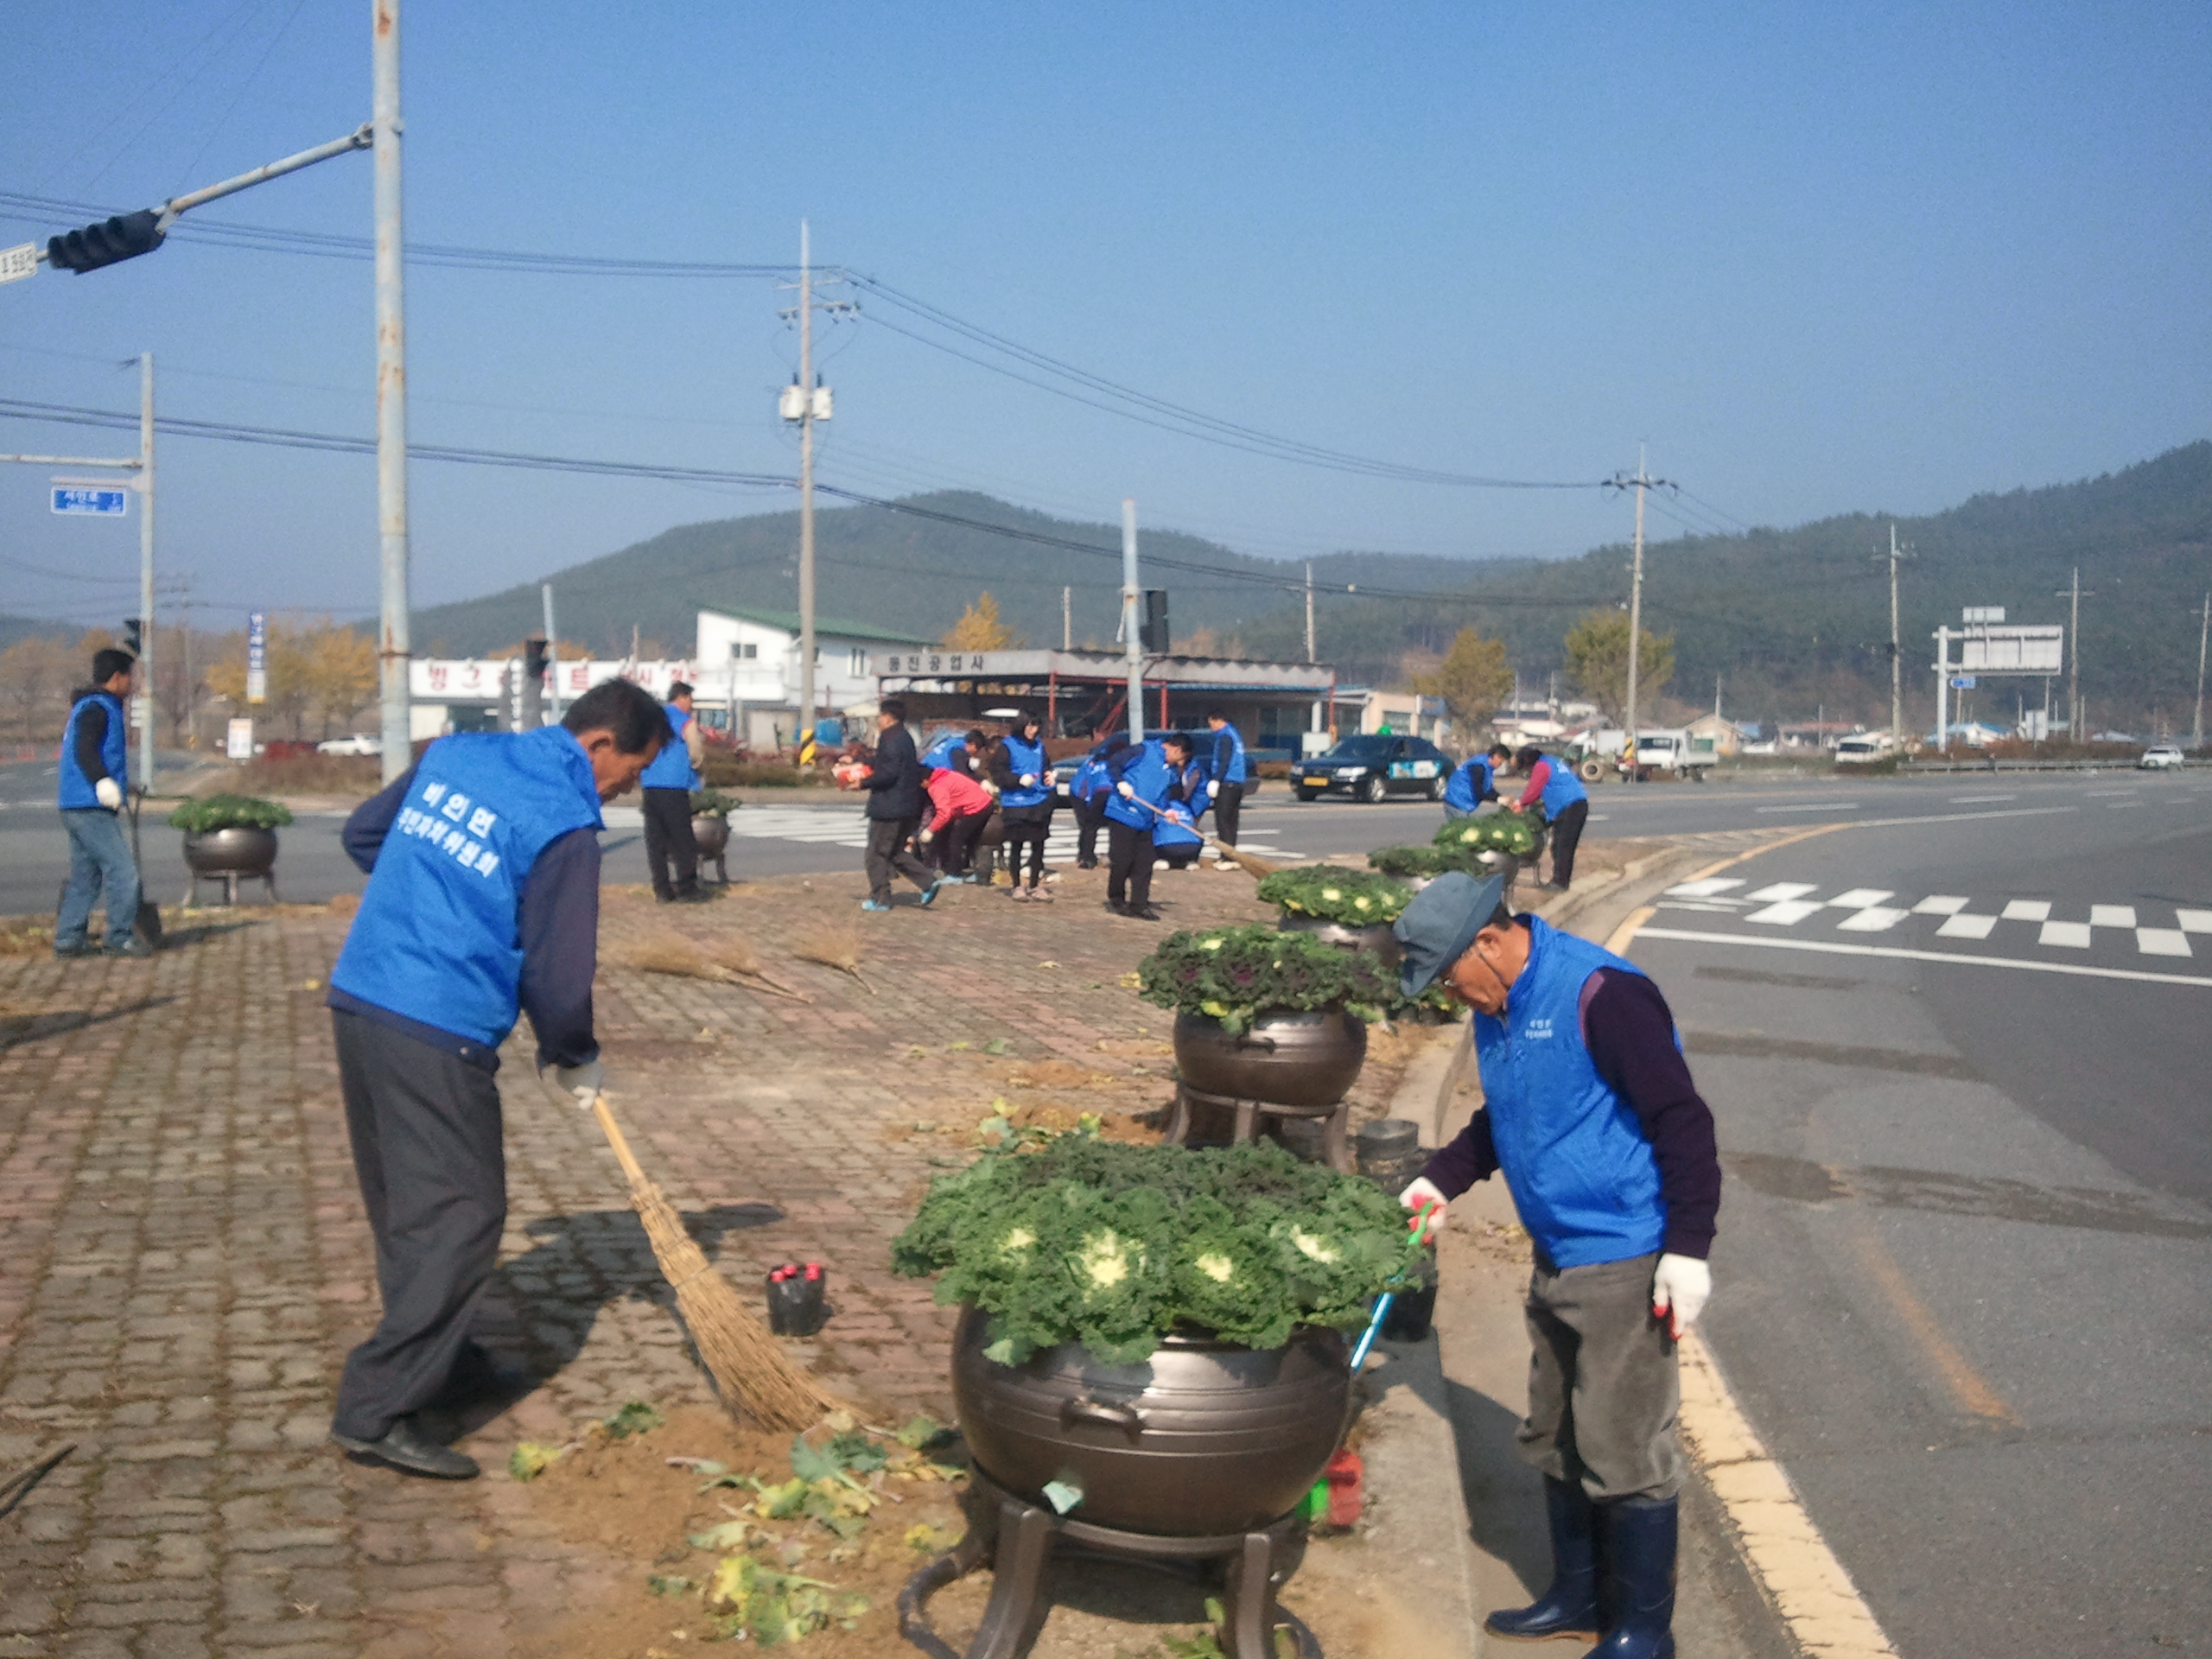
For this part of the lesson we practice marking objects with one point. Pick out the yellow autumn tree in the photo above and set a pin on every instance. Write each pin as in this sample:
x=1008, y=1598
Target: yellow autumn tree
x=982, y=628
x=1473, y=679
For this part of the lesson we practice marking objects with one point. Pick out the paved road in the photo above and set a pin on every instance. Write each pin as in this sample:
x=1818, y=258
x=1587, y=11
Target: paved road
x=1965, y=1255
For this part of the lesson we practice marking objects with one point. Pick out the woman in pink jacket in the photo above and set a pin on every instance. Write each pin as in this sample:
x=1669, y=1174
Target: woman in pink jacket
x=958, y=807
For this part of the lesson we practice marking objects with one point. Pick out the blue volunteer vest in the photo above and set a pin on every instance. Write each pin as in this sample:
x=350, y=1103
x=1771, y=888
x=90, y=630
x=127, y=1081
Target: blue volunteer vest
x=1174, y=829
x=1575, y=1154
x=1090, y=780
x=1472, y=780
x=76, y=790
x=940, y=754
x=1024, y=757
x=1562, y=789
x=1153, y=779
x=1233, y=773
x=671, y=768
x=438, y=936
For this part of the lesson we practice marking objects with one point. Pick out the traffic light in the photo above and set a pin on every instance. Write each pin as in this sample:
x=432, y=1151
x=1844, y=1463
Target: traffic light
x=112, y=240
x=134, y=636
x=1152, y=633
x=533, y=659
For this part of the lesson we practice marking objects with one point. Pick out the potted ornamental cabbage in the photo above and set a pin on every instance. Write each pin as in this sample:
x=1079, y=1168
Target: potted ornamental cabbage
x=1416, y=867
x=711, y=811
x=1265, y=1015
x=1154, y=1338
x=230, y=837
x=1338, y=906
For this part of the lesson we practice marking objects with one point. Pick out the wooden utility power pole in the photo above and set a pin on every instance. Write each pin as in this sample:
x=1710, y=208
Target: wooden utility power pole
x=1310, y=654
x=1640, y=483
x=2074, y=595
x=805, y=492
x=1067, y=618
x=2203, y=634
x=1897, y=649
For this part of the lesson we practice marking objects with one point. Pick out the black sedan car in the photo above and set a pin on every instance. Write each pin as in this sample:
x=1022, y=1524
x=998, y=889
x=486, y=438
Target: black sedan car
x=1373, y=766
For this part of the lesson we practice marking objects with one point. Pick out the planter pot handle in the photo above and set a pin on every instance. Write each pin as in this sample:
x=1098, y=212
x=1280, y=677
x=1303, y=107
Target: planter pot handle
x=1248, y=1040
x=1128, y=1418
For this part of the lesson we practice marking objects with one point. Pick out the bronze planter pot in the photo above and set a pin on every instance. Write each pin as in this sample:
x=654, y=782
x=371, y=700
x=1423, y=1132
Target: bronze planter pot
x=711, y=831
x=1375, y=936
x=1285, y=1059
x=1205, y=1438
x=237, y=851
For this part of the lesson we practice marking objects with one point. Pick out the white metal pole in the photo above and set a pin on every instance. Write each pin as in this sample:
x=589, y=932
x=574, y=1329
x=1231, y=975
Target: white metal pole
x=805, y=488
x=393, y=649
x=2074, y=663
x=2203, y=635
x=146, y=567
x=1067, y=618
x=1943, y=690
x=1897, y=656
x=1636, y=614
x=1132, y=605
x=552, y=658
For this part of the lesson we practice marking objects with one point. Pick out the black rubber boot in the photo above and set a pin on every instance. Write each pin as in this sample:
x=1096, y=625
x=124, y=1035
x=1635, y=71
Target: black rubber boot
x=1640, y=1536
x=1570, y=1606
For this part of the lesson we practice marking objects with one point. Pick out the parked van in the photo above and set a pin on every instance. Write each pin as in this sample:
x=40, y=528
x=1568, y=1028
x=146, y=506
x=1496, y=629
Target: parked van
x=1865, y=748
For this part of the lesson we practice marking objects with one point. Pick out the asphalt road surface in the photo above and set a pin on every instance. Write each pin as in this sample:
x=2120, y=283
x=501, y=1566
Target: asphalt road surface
x=1964, y=1271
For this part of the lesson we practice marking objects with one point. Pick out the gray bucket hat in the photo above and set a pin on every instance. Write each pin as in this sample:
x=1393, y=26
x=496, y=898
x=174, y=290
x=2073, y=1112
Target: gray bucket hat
x=1435, y=930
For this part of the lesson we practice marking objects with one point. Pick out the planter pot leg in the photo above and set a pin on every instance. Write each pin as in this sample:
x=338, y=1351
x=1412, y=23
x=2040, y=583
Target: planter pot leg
x=230, y=889
x=1332, y=1140
x=1017, y=1607
x=1179, y=1125
x=1251, y=1599
x=1247, y=1121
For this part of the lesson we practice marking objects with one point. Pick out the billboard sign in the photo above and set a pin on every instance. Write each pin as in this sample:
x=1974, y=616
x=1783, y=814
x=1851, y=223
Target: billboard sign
x=256, y=657
x=2020, y=649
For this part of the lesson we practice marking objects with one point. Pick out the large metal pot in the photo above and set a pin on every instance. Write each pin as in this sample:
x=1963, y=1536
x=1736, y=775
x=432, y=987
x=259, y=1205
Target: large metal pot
x=1286, y=1059
x=711, y=831
x=1204, y=1438
x=1376, y=935
x=236, y=851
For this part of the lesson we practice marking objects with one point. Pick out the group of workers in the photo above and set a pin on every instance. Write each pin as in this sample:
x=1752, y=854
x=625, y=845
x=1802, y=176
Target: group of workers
x=1551, y=787
x=928, y=812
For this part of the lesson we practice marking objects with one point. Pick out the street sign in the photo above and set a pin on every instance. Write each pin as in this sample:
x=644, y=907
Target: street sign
x=19, y=261
x=1962, y=682
x=99, y=503
x=256, y=657
x=2037, y=648
x=238, y=742
x=1985, y=613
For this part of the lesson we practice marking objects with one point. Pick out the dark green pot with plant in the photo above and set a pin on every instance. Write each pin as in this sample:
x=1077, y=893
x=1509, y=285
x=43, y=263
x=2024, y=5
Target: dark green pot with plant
x=1350, y=908
x=230, y=838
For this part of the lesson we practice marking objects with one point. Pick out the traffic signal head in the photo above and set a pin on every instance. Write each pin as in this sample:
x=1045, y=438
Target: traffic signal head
x=1152, y=632
x=533, y=659
x=134, y=637
x=124, y=237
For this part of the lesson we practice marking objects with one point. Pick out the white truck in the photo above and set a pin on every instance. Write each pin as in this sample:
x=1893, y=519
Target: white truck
x=1658, y=749
x=1865, y=748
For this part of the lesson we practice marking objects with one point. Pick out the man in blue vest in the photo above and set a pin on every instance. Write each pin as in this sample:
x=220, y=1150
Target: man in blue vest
x=1024, y=777
x=1474, y=781
x=1553, y=784
x=95, y=774
x=1226, y=775
x=482, y=903
x=1146, y=776
x=1591, y=1116
x=667, y=786
x=1087, y=793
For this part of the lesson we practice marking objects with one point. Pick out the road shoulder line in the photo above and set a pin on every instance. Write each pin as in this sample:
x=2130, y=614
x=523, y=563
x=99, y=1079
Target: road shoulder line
x=1902, y=953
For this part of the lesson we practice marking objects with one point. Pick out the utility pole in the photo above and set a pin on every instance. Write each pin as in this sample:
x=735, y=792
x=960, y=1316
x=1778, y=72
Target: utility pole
x=1896, y=653
x=1131, y=615
x=805, y=491
x=552, y=658
x=146, y=567
x=393, y=651
x=2203, y=634
x=1310, y=655
x=2074, y=595
x=1640, y=483
x=1067, y=618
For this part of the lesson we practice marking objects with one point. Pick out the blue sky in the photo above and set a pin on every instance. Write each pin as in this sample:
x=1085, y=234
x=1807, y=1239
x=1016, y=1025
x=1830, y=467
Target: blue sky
x=1821, y=258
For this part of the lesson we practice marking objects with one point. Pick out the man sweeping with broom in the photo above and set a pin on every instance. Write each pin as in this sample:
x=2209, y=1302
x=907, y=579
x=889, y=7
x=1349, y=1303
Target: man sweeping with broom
x=482, y=903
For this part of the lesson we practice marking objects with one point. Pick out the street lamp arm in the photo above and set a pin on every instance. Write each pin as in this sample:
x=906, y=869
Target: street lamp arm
x=360, y=139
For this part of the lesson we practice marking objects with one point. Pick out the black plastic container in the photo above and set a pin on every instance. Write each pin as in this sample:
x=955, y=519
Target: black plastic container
x=1390, y=1153
x=1414, y=1309
x=797, y=1306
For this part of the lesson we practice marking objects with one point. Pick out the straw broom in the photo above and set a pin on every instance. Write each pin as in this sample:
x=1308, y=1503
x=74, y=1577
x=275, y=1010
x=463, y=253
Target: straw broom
x=680, y=959
x=752, y=1373
x=841, y=950
x=1250, y=864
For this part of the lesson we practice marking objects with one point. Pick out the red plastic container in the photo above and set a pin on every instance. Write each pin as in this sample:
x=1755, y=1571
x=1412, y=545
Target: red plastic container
x=1347, y=1479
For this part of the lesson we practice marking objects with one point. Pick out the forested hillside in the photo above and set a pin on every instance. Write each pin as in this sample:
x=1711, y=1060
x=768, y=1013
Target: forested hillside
x=1792, y=619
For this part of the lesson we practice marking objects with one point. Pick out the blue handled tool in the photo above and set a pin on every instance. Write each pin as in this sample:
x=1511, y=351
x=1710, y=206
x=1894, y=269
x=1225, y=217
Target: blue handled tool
x=1374, y=1329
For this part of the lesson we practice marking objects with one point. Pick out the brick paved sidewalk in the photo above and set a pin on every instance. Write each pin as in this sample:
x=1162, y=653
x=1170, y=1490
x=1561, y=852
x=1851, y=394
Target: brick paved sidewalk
x=183, y=1261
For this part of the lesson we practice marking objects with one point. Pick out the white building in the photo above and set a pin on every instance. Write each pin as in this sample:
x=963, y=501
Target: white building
x=747, y=668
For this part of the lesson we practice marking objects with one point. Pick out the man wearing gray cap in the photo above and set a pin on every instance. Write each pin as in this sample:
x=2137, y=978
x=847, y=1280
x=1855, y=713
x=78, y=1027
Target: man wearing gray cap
x=1590, y=1114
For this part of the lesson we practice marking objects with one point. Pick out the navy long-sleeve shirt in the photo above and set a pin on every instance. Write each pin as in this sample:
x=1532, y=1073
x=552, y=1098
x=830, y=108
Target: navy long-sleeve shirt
x=92, y=738
x=559, y=925
x=1629, y=1032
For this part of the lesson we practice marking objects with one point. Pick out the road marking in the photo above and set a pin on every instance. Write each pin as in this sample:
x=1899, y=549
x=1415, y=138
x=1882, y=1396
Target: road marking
x=2075, y=936
x=1799, y=1573
x=2194, y=921
x=1782, y=890
x=1702, y=889
x=1962, y=800
x=2027, y=910
x=1966, y=927
x=1875, y=919
x=1939, y=904
x=1901, y=953
x=1786, y=914
x=1811, y=806
x=2111, y=915
x=1967, y=1386
x=2162, y=942
x=1858, y=899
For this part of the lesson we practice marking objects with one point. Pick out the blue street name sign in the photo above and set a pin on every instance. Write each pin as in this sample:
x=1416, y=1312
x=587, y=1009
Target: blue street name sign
x=1962, y=682
x=105, y=504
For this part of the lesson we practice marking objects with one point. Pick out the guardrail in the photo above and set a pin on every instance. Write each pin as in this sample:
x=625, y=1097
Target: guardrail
x=1995, y=764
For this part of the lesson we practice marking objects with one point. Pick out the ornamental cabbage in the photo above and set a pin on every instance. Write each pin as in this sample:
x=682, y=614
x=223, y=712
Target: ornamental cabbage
x=1115, y=1246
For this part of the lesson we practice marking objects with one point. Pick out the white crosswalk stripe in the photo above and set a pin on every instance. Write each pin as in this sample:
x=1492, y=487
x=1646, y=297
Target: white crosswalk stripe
x=1877, y=910
x=817, y=828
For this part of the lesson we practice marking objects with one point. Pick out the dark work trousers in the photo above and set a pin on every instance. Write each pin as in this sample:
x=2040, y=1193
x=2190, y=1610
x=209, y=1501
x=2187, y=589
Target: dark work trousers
x=1025, y=826
x=669, y=837
x=1566, y=831
x=887, y=855
x=1226, y=807
x=1604, y=1387
x=425, y=1129
x=1128, y=865
x=956, y=842
x=1089, y=815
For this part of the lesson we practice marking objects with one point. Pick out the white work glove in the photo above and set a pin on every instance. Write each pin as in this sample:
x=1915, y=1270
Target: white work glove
x=1027, y=778
x=579, y=1085
x=926, y=835
x=1127, y=792
x=109, y=794
x=1680, y=1287
x=1213, y=788
x=1426, y=1200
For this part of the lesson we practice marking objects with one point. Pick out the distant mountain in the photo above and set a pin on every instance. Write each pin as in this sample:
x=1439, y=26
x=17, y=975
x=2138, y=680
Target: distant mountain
x=1792, y=620
x=13, y=628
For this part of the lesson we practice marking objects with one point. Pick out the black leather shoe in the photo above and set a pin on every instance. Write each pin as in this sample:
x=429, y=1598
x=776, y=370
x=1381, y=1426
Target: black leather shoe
x=70, y=952
x=406, y=1447
x=1142, y=913
x=131, y=945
